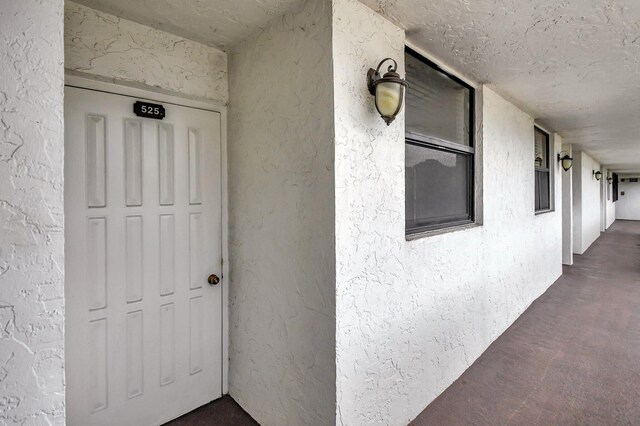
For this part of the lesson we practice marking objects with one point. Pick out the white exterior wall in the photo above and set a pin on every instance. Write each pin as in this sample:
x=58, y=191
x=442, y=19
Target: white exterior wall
x=577, y=201
x=108, y=48
x=411, y=316
x=591, y=202
x=587, y=208
x=567, y=209
x=282, y=289
x=611, y=213
x=31, y=213
x=628, y=205
x=610, y=206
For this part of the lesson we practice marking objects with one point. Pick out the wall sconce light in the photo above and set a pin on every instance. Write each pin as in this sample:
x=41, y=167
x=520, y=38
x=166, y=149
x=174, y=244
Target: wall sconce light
x=388, y=90
x=565, y=160
x=609, y=178
x=597, y=174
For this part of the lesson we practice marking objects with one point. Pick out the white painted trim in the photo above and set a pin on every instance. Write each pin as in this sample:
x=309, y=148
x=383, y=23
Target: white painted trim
x=544, y=128
x=553, y=168
x=603, y=199
x=225, y=249
x=118, y=89
x=101, y=86
x=433, y=58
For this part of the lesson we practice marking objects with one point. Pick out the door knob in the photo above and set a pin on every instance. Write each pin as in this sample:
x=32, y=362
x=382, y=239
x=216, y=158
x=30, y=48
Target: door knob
x=213, y=279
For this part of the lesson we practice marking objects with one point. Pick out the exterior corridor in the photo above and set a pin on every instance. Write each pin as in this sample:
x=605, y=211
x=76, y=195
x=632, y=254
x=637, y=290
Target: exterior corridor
x=573, y=357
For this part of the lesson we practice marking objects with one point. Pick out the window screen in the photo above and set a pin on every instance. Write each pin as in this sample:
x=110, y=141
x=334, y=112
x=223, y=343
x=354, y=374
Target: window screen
x=437, y=106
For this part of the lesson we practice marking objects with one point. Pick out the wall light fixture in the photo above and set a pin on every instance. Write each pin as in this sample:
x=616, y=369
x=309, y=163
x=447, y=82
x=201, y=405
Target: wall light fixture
x=565, y=160
x=597, y=174
x=388, y=90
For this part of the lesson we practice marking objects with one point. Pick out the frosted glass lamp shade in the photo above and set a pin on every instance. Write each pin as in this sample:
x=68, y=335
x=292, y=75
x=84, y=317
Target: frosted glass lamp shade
x=388, y=99
x=565, y=160
x=388, y=91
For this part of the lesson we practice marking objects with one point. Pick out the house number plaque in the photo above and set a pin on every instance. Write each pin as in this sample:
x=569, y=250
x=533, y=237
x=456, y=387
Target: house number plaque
x=148, y=110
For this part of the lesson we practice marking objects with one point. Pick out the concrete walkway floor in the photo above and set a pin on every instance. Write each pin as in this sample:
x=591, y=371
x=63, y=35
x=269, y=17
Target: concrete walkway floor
x=572, y=358
x=221, y=412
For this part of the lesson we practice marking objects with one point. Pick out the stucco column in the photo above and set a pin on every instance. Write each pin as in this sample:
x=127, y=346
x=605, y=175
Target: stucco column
x=31, y=212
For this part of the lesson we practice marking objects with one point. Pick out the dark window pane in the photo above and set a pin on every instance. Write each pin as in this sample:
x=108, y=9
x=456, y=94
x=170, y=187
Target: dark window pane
x=437, y=107
x=537, y=192
x=541, y=164
x=437, y=186
x=542, y=190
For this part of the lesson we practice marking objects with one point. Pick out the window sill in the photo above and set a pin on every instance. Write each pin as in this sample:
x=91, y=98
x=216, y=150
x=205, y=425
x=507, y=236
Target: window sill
x=434, y=232
x=539, y=212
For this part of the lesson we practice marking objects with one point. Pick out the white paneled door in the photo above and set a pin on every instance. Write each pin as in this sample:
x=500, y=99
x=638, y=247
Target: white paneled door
x=143, y=238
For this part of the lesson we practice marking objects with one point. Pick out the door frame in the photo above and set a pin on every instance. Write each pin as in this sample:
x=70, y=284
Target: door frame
x=133, y=92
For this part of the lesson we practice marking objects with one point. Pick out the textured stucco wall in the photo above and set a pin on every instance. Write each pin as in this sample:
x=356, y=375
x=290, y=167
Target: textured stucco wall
x=31, y=213
x=628, y=205
x=282, y=289
x=587, y=208
x=577, y=201
x=610, y=206
x=611, y=213
x=219, y=23
x=603, y=199
x=567, y=210
x=412, y=316
x=103, y=46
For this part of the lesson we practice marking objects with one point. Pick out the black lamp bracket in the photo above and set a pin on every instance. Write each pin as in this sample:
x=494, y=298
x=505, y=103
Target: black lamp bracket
x=374, y=75
x=562, y=155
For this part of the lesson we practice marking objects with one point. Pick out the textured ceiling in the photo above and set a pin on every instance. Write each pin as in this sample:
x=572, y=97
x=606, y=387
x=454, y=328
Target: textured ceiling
x=218, y=23
x=573, y=64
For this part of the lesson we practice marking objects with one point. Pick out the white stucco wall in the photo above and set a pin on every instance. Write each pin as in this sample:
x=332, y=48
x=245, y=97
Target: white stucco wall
x=567, y=209
x=603, y=200
x=610, y=206
x=577, y=201
x=282, y=289
x=31, y=213
x=611, y=213
x=412, y=316
x=587, y=209
x=628, y=205
x=105, y=47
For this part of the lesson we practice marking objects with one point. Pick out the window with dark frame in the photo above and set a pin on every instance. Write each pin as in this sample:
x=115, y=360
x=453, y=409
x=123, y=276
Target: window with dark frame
x=439, y=147
x=543, y=173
